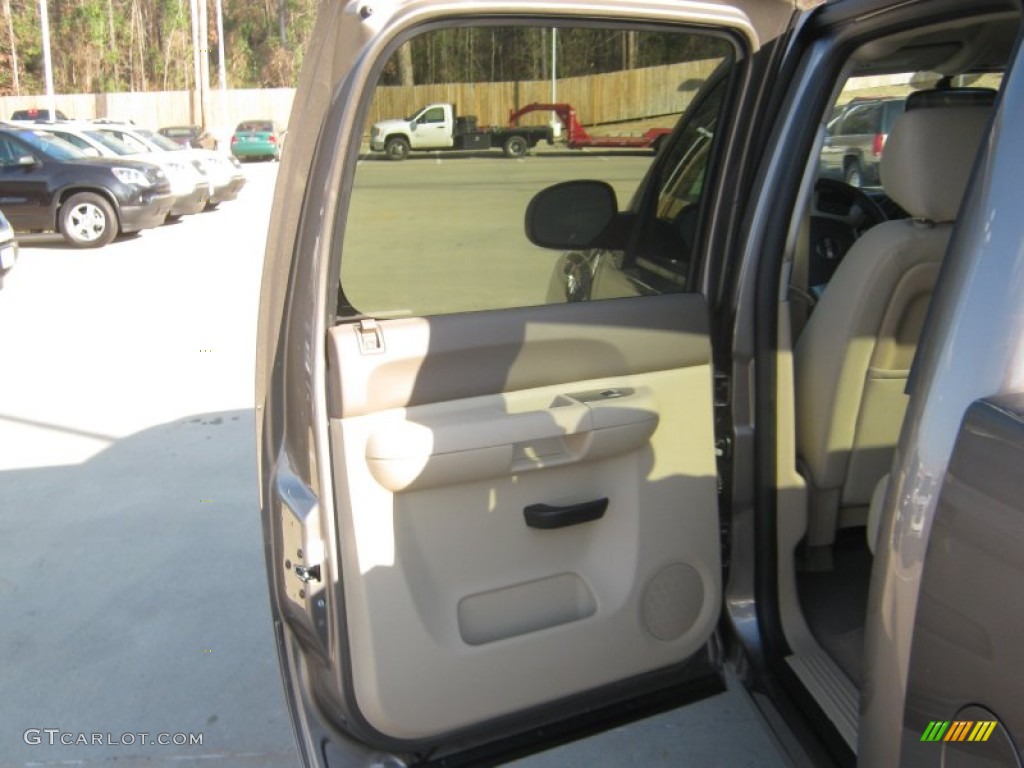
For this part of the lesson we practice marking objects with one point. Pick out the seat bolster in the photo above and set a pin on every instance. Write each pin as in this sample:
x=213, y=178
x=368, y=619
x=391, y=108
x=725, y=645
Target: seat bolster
x=875, y=512
x=833, y=354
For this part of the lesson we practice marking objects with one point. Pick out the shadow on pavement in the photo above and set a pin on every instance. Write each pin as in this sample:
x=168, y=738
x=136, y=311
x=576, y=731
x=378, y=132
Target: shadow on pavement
x=135, y=601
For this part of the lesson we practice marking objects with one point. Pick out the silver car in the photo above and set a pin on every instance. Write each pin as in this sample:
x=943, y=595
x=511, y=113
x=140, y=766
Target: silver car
x=550, y=445
x=855, y=140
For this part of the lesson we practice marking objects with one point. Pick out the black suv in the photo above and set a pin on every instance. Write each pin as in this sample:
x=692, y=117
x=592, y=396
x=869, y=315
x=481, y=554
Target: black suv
x=855, y=140
x=47, y=184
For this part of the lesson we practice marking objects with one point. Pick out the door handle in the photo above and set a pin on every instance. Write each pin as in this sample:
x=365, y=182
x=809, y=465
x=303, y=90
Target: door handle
x=548, y=517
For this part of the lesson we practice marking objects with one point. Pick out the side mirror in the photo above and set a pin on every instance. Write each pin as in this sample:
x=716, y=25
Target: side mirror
x=571, y=215
x=90, y=152
x=26, y=160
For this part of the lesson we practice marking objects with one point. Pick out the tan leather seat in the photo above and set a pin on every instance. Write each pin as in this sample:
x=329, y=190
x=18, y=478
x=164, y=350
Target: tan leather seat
x=852, y=359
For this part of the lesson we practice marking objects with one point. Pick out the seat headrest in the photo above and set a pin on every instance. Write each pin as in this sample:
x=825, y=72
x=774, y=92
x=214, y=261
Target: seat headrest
x=928, y=158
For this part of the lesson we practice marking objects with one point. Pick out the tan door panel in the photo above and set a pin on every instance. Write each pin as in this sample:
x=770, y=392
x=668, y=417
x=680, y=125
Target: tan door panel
x=426, y=447
x=462, y=604
x=414, y=361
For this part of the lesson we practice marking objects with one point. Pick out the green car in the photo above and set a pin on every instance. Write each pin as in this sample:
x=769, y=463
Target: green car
x=257, y=139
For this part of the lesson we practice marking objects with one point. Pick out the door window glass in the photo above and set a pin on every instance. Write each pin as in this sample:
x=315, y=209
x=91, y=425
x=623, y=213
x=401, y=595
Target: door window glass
x=73, y=140
x=441, y=231
x=9, y=151
x=131, y=141
x=860, y=120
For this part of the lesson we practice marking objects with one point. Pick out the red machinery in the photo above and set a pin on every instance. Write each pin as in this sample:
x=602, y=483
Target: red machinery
x=576, y=136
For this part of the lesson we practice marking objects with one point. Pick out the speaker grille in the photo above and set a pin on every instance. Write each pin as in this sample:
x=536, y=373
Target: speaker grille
x=672, y=601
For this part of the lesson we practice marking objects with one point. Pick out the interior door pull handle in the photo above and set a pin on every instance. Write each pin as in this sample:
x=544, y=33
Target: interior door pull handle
x=549, y=517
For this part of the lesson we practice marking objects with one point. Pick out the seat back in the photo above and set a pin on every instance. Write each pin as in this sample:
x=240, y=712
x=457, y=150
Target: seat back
x=852, y=360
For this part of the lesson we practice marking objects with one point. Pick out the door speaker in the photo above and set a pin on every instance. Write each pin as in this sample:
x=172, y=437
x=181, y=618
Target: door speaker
x=672, y=601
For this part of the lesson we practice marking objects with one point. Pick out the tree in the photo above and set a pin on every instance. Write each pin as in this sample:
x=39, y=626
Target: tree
x=9, y=20
x=118, y=45
x=405, y=70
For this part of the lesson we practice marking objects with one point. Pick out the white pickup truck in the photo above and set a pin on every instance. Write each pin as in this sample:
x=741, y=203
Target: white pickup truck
x=437, y=127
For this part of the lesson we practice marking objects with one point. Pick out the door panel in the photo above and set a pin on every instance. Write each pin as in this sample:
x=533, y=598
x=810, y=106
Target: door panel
x=24, y=194
x=458, y=610
x=432, y=130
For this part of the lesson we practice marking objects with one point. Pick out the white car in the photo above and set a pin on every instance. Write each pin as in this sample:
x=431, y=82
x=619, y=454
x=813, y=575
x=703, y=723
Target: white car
x=222, y=170
x=8, y=248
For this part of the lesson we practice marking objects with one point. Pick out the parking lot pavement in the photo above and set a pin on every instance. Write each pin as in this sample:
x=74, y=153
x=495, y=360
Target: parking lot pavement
x=131, y=567
x=133, y=586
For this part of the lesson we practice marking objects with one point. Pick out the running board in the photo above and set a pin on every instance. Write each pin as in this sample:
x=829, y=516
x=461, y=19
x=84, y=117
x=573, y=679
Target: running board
x=831, y=689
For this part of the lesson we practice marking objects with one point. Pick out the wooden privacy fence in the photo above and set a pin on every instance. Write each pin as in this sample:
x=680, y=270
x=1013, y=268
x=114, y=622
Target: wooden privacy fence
x=599, y=99
x=609, y=98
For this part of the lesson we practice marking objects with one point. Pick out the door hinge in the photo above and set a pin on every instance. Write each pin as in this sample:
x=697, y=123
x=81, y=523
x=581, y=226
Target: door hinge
x=723, y=448
x=722, y=390
x=722, y=399
x=370, y=336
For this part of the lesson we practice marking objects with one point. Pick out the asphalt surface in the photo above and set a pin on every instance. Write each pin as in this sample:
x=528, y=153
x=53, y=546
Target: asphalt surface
x=132, y=584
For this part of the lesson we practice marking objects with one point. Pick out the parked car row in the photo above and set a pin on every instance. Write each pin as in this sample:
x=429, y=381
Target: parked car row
x=92, y=181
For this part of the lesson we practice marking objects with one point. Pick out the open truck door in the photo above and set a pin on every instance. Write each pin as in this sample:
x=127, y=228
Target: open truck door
x=491, y=513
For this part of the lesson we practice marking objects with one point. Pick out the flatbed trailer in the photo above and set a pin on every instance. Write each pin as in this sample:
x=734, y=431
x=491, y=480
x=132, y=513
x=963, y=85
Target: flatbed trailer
x=576, y=136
